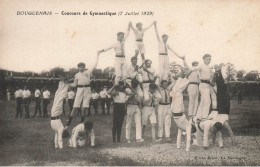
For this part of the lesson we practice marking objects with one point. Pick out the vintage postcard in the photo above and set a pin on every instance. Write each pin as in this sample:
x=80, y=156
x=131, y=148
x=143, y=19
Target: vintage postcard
x=129, y=83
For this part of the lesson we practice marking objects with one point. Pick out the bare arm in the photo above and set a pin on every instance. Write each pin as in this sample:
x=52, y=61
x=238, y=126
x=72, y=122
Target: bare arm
x=144, y=29
x=171, y=85
x=106, y=49
x=174, y=52
x=131, y=26
x=156, y=32
x=110, y=91
x=128, y=31
x=150, y=71
x=95, y=63
x=184, y=62
x=226, y=125
x=128, y=86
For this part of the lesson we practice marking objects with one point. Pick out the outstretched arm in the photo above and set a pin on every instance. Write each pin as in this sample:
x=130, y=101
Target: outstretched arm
x=226, y=125
x=184, y=62
x=128, y=31
x=176, y=54
x=156, y=32
x=106, y=49
x=111, y=90
x=95, y=63
x=131, y=26
x=128, y=86
x=144, y=29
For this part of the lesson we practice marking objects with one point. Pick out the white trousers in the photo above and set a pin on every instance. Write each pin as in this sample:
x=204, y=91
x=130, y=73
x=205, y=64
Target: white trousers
x=120, y=69
x=146, y=93
x=148, y=113
x=164, y=67
x=183, y=125
x=82, y=95
x=193, y=91
x=133, y=111
x=203, y=110
x=213, y=98
x=163, y=122
x=58, y=127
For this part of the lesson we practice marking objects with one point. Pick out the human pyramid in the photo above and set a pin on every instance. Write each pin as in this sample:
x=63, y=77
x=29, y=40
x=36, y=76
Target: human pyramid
x=143, y=95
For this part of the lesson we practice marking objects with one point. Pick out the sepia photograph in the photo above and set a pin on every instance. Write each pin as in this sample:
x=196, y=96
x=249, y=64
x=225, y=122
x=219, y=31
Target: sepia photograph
x=129, y=83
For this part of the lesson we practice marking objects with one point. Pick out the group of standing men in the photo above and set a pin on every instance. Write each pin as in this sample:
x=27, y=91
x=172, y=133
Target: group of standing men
x=139, y=92
x=23, y=100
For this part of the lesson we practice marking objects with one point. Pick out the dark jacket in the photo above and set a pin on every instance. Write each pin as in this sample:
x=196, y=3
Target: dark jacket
x=223, y=101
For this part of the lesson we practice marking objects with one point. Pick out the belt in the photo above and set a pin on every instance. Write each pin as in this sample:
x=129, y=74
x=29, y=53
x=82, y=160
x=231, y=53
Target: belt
x=128, y=78
x=149, y=105
x=194, y=83
x=147, y=81
x=163, y=53
x=139, y=40
x=54, y=118
x=120, y=56
x=205, y=81
x=164, y=103
x=177, y=114
x=83, y=86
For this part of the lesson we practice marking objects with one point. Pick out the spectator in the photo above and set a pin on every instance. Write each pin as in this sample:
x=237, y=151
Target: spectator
x=8, y=95
x=37, y=95
x=19, y=101
x=26, y=95
x=46, y=100
x=94, y=98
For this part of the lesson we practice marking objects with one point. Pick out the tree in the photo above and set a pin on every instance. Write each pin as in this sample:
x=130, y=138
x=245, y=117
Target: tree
x=240, y=74
x=231, y=72
x=54, y=71
x=28, y=73
x=72, y=72
x=252, y=76
x=110, y=71
x=45, y=74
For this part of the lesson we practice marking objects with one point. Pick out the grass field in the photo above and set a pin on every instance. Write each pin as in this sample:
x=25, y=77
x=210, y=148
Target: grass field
x=30, y=142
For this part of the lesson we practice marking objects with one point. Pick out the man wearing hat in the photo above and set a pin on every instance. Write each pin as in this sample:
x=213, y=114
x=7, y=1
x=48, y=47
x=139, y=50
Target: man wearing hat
x=193, y=91
x=204, y=87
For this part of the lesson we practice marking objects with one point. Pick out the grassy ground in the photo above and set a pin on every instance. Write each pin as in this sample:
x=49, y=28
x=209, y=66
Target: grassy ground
x=30, y=142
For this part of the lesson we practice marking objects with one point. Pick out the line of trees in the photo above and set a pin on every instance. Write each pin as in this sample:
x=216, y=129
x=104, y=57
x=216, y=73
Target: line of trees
x=241, y=75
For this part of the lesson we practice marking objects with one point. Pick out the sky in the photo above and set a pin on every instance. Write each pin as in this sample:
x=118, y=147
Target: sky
x=228, y=30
